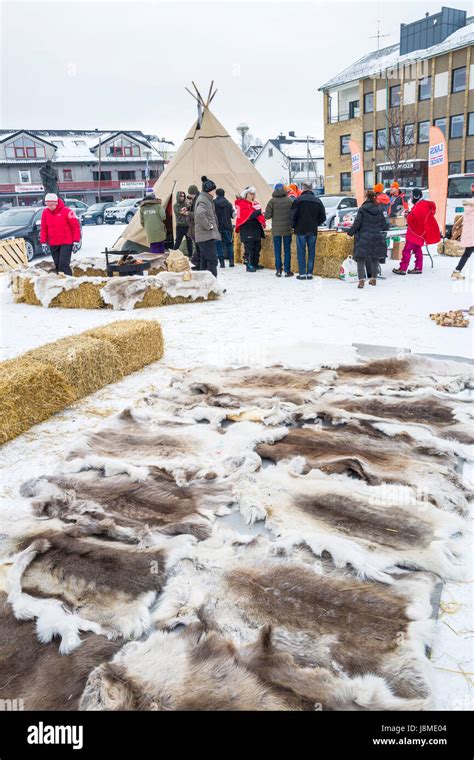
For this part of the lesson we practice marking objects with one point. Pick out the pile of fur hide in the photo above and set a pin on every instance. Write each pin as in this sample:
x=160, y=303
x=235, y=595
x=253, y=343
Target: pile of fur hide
x=244, y=540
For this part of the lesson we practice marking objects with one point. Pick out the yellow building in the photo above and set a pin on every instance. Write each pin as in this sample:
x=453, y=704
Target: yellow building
x=388, y=99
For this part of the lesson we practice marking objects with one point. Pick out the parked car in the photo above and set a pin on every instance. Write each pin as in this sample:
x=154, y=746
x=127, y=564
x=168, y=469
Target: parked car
x=24, y=223
x=95, y=213
x=336, y=206
x=346, y=219
x=123, y=212
x=79, y=207
x=459, y=190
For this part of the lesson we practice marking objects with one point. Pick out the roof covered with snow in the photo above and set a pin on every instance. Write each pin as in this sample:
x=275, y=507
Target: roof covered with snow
x=376, y=63
x=79, y=146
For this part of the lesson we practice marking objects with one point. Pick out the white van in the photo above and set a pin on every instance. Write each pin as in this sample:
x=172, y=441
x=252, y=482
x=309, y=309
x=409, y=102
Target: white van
x=459, y=190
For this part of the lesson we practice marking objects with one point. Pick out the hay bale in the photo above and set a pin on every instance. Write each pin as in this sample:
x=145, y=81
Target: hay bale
x=28, y=294
x=331, y=250
x=450, y=248
x=87, y=363
x=89, y=272
x=86, y=296
x=138, y=341
x=30, y=392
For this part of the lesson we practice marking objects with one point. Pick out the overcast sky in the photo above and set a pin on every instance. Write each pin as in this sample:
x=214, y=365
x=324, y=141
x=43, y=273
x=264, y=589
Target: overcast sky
x=123, y=65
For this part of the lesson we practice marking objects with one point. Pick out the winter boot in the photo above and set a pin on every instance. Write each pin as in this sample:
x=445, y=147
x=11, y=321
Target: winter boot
x=289, y=274
x=373, y=281
x=361, y=284
x=309, y=276
x=398, y=271
x=222, y=263
x=415, y=271
x=231, y=262
x=301, y=277
x=278, y=272
x=457, y=275
x=250, y=268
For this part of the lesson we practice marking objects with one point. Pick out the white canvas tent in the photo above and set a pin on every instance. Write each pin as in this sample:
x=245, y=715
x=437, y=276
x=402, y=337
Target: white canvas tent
x=209, y=150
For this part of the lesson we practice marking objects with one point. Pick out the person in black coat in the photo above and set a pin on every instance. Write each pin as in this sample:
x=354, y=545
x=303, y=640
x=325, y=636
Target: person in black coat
x=369, y=228
x=307, y=214
x=225, y=213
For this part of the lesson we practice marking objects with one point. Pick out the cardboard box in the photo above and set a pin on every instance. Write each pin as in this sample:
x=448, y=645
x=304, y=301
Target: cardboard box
x=397, y=249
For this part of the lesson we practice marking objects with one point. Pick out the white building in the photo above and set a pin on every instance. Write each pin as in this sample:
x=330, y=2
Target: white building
x=292, y=159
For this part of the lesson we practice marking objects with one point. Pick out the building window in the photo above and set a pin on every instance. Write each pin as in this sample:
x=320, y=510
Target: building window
x=423, y=131
x=270, y=153
x=345, y=182
x=107, y=176
x=80, y=142
x=126, y=175
x=122, y=148
x=25, y=177
x=368, y=178
x=24, y=147
x=469, y=166
x=67, y=175
x=456, y=126
x=381, y=139
x=394, y=136
x=369, y=102
x=344, y=144
x=441, y=123
x=470, y=123
x=458, y=82
x=353, y=109
x=58, y=143
x=424, y=89
x=368, y=140
x=454, y=167
x=395, y=95
x=409, y=134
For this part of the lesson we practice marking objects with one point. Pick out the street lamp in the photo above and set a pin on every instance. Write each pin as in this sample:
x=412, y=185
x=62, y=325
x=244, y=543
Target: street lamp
x=243, y=128
x=99, y=186
x=147, y=170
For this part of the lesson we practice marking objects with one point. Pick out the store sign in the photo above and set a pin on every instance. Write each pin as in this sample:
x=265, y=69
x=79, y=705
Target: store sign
x=389, y=167
x=29, y=188
x=356, y=162
x=131, y=185
x=436, y=154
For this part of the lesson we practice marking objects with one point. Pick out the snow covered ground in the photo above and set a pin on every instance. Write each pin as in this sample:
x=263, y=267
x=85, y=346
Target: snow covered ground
x=261, y=320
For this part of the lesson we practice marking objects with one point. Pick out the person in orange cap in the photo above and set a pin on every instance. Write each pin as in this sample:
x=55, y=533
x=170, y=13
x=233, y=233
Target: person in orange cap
x=396, y=200
x=382, y=196
x=292, y=191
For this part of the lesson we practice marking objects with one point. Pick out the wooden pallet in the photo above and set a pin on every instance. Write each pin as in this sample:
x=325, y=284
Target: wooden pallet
x=13, y=254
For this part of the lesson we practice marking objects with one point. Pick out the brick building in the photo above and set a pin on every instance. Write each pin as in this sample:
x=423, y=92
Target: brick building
x=389, y=98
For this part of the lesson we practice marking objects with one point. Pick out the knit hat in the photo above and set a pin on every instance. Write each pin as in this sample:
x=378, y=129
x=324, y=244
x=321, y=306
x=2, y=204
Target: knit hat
x=247, y=190
x=193, y=190
x=395, y=185
x=220, y=191
x=416, y=194
x=307, y=186
x=207, y=184
x=278, y=186
x=378, y=188
x=50, y=197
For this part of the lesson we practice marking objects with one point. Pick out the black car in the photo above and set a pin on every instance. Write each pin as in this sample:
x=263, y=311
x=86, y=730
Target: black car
x=24, y=223
x=95, y=213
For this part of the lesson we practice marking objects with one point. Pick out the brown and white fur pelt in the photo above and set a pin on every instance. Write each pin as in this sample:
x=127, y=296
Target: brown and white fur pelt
x=374, y=458
x=36, y=673
x=369, y=528
x=322, y=616
x=198, y=669
x=190, y=452
x=69, y=584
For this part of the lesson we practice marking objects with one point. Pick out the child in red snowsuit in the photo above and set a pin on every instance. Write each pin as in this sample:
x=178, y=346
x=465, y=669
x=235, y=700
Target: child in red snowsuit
x=422, y=228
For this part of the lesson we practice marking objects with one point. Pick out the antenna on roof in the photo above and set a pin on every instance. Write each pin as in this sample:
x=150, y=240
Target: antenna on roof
x=378, y=36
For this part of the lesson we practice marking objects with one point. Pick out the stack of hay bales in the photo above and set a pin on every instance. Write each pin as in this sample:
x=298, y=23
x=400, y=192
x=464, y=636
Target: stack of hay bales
x=45, y=380
x=92, y=292
x=331, y=250
x=450, y=248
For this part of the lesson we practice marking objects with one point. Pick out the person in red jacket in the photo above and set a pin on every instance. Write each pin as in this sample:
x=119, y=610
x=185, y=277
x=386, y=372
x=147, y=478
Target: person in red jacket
x=422, y=228
x=61, y=231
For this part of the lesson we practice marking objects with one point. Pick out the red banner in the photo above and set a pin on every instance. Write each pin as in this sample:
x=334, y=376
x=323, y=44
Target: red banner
x=357, y=170
x=438, y=174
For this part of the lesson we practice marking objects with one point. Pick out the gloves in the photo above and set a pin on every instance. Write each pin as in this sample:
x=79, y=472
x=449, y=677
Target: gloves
x=45, y=248
x=75, y=247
